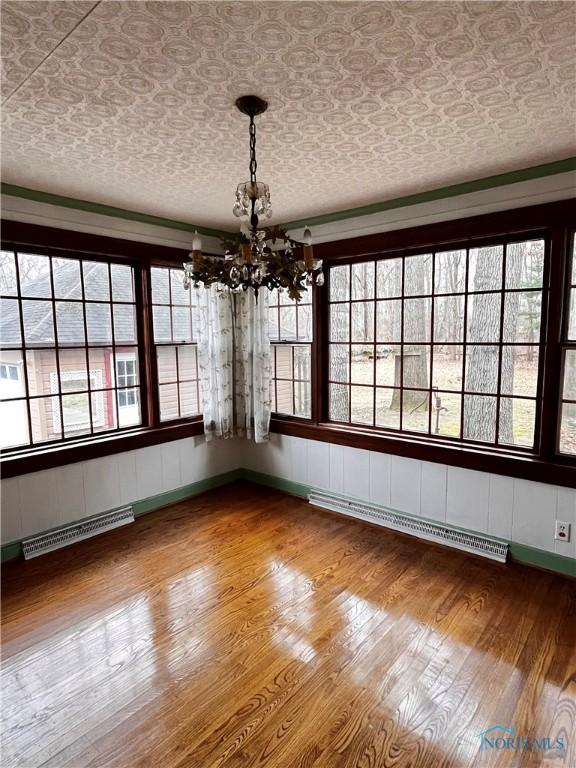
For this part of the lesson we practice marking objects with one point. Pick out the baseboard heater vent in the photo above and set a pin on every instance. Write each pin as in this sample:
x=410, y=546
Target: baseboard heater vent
x=46, y=542
x=424, y=529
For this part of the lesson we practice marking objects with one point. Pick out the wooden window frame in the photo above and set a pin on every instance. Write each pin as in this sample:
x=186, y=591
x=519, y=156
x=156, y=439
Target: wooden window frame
x=554, y=222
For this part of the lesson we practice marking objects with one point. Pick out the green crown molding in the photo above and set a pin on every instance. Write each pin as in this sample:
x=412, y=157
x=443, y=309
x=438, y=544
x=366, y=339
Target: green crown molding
x=107, y=210
x=465, y=188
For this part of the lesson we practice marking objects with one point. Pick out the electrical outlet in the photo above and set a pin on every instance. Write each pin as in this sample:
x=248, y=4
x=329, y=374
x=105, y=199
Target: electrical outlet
x=562, y=531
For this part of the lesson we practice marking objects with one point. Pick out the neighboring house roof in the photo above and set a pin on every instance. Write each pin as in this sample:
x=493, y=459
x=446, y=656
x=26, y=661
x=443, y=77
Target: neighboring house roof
x=39, y=319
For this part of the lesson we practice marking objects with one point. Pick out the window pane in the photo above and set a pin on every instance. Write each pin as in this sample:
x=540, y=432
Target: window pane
x=273, y=324
x=67, y=278
x=189, y=398
x=517, y=418
x=389, y=321
x=127, y=367
x=568, y=429
x=449, y=318
x=34, y=276
x=10, y=334
x=302, y=399
x=362, y=405
x=182, y=323
x=415, y=406
x=168, y=401
x=96, y=281
x=38, y=322
x=283, y=362
x=129, y=407
x=447, y=367
x=569, y=392
x=70, y=322
x=522, y=317
x=388, y=365
x=104, y=411
x=73, y=375
x=76, y=414
x=363, y=321
x=519, y=371
x=288, y=323
x=389, y=278
x=179, y=294
x=479, y=418
x=483, y=323
x=8, y=286
x=122, y=282
x=14, y=420
x=417, y=320
x=162, y=325
x=101, y=362
x=450, y=272
x=41, y=366
x=12, y=384
x=572, y=316
x=187, y=363
x=45, y=416
x=416, y=366
x=362, y=368
x=485, y=268
x=160, y=286
x=418, y=275
x=525, y=264
x=446, y=411
x=363, y=280
x=124, y=323
x=340, y=283
x=339, y=322
x=339, y=362
x=388, y=408
x=339, y=402
x=482, y=368
x=99, y=323
x=304, y=322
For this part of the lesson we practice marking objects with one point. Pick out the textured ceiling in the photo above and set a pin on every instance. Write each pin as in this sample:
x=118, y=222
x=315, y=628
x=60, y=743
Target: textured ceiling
x=133, y=106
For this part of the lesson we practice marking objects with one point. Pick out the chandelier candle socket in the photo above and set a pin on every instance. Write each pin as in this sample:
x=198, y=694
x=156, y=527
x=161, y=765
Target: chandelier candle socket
x=256, y=257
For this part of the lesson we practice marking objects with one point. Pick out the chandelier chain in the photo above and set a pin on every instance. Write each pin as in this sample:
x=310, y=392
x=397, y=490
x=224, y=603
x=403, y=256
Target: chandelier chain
x=253, y=163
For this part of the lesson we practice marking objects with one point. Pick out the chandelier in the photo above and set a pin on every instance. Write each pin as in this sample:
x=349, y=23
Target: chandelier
x=258, y=257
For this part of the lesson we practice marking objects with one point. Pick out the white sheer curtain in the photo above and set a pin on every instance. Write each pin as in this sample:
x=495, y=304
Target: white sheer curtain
x=234, y=362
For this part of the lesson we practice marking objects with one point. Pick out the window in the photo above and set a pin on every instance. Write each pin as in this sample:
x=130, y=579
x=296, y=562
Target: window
x=60, y=318
x=567, y=442
x=443, y=343
x=291, y=339
x=175, y=342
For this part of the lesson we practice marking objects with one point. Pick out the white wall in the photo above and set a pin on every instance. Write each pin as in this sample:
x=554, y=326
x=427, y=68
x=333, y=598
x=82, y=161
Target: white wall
x=515, y=510
x=41, y=500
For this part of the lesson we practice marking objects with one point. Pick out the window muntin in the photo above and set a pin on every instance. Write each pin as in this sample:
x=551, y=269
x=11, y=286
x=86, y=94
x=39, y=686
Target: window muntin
x=442, y=343
x=567, y=436
x=290, y=328
x=61, y=317
x=173, y=311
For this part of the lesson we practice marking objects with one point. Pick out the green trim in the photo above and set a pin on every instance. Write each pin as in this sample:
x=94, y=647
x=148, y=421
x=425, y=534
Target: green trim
x=107, y=210
x=477, y=185
x=13, y=550
x=550, y=561
x=294, y=489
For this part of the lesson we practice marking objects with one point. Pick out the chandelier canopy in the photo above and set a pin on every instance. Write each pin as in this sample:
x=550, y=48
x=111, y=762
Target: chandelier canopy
x=258, y=257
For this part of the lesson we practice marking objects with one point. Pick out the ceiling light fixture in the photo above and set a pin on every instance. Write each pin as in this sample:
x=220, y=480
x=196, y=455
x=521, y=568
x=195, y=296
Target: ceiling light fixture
x=256, y=258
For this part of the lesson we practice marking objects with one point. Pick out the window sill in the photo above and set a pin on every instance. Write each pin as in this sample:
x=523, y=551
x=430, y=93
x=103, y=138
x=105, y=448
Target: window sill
x=500, y=462
x=22, y=462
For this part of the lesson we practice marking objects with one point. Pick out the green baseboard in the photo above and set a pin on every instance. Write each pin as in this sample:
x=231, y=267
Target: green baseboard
x=13, y=550
x=294, y=489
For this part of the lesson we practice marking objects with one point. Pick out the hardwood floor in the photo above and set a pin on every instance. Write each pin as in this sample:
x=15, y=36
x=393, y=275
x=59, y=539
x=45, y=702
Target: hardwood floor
x=245, y=628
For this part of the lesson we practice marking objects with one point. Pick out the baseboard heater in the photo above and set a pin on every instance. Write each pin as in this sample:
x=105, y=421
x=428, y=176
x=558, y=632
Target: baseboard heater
x=423, y=529
x=47, y=542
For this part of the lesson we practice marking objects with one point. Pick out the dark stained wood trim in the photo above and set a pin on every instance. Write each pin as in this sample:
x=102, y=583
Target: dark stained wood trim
x=518, y=221
x=527, y=467
x=57, y=455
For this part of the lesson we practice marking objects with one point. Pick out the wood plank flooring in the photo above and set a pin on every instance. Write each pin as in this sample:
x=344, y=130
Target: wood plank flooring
x=246, y=628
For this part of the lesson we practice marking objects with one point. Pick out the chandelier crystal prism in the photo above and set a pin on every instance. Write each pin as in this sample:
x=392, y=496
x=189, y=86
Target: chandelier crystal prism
x=258, y=257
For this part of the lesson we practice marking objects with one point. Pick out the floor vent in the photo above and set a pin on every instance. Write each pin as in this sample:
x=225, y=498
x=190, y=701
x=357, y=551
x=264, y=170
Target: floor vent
x=424, y=529
x=38, y=545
